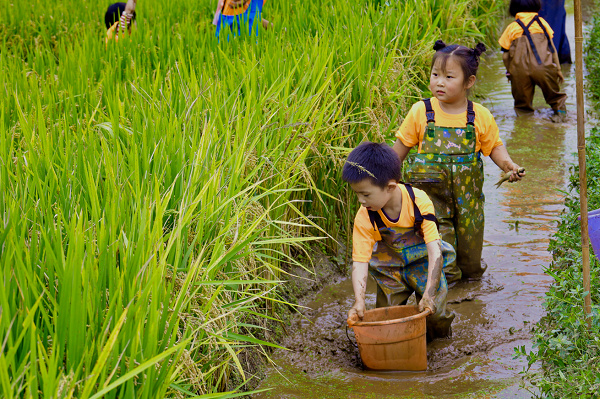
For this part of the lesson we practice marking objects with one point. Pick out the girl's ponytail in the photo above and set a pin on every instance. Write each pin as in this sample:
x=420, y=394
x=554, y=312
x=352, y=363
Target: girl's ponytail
x=479, y=49
x=439, y=44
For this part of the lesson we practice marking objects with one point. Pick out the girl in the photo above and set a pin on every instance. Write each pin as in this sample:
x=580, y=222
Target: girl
x=240, y=11
x=531, y=58
x=451, y=133
x=118, y=19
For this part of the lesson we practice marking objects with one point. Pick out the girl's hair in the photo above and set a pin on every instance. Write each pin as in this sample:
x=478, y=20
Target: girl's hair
x=517, y=6
x=467, y=57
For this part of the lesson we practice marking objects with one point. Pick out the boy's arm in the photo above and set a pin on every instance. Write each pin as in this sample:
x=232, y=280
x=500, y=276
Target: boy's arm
x=401, y=150
x=360, y=273
x=501, y=158
x=434, y=274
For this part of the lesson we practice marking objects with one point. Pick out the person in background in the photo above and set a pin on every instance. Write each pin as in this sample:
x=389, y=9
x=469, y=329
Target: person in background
x=118, y=19
x=395, y=239
x=531, y=59
x=451, y=133
x=240, y=12
x=553, y=11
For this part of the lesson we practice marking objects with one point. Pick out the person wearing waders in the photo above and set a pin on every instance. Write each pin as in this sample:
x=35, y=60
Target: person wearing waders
x=553, y=11
x=240, y=12
x=451, y=133
x=531, y=59
x=396, y=239
x=118, y=19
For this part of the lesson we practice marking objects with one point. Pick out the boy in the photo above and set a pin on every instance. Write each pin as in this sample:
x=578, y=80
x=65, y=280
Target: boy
x=396, y=239
x=119, y=18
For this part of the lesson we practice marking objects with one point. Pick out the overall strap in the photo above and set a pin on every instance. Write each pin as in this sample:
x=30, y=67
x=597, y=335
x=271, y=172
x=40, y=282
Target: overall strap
x=419, y=218
x=376, y=220
x=429, y=112
x=470, y=120
x=550, y=45
x=526, y=31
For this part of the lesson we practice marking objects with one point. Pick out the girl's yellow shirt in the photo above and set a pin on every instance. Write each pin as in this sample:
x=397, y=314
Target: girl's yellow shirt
x=413, y=128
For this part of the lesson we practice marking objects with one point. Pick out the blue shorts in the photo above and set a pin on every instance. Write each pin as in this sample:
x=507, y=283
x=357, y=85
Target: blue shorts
x=252, y=14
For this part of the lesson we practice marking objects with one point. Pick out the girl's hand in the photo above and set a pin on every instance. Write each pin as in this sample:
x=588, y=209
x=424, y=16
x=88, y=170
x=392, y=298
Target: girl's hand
x=516, y=174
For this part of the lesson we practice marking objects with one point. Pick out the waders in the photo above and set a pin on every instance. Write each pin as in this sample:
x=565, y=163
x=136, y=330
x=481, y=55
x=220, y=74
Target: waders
x=450, y=171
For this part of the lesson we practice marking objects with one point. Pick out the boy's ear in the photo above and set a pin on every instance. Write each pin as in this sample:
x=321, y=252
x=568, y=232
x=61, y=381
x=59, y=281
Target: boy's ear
x=392, y=184
x=471, y=81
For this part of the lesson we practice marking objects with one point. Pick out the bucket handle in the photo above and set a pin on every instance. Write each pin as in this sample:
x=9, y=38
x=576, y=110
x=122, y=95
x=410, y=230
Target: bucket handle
x=354, y=321
x=349, y=339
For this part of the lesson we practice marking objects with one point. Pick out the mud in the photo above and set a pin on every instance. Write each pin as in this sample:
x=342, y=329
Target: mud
x=494, y=315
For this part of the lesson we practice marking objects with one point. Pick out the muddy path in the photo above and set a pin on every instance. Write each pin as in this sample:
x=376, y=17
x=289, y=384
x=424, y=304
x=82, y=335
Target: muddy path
x=493, y=315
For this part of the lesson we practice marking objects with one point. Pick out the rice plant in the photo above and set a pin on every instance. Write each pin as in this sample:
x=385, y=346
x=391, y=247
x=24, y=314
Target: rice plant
x=152, y=190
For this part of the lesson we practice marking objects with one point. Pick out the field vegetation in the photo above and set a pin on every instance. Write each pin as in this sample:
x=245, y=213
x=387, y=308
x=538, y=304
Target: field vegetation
x=154, y=191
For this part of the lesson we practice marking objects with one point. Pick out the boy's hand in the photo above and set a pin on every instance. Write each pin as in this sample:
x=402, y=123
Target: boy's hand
x=356, y=313
x=427, y=302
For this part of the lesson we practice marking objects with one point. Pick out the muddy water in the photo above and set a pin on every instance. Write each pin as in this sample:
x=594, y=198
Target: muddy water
x=493, y=315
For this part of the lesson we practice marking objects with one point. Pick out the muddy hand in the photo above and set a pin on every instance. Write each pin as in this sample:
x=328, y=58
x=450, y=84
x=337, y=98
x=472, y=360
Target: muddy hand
x=427, y=303
x=356, y=313
x=509, y=176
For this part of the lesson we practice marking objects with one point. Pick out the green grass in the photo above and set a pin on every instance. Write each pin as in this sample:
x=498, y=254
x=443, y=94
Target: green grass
x=153, y=191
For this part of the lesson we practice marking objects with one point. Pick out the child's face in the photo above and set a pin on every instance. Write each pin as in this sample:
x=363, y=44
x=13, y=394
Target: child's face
x=371, y=196
x=448, y=84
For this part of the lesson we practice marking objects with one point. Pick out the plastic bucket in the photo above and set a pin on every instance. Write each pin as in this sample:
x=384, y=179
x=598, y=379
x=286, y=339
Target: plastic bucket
x=392, y=338
x=594, y=231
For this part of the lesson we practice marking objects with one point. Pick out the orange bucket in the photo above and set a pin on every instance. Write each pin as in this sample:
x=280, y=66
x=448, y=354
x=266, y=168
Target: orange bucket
x=392, y=338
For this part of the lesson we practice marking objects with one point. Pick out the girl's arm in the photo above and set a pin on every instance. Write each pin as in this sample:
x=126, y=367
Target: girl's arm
x=360, y=273
x=501, y=158
x=401, y=150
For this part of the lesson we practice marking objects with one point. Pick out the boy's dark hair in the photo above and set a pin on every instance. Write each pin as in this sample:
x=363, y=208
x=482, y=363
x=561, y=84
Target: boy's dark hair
x=517, y=6
x=113, y=13
x=467, y=57
x=375, y=161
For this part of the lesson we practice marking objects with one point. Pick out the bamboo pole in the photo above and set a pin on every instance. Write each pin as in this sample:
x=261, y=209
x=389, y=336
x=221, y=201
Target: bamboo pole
x=585, y=240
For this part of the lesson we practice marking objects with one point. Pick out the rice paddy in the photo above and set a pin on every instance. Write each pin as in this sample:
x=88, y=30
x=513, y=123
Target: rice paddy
x=154, y=190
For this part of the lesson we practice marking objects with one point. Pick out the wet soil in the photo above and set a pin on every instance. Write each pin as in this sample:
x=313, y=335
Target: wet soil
x=494, y=315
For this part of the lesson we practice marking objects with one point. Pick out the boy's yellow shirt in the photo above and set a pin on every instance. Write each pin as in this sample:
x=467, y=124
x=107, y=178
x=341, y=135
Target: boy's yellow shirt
x=514, y=31
x=365, y=236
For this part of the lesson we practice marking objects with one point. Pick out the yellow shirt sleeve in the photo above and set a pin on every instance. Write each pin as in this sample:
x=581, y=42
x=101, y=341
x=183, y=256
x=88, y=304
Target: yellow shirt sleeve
x=509, y=34
x=548, y=28
x=364, y=237
x=413, y=127
x=488, y=133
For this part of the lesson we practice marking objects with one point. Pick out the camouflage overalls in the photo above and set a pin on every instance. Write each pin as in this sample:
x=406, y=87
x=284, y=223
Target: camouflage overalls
x=450, y=171
x=399, y=265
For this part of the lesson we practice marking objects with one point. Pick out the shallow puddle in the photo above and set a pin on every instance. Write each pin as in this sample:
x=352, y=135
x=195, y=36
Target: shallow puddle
x=493, y=315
